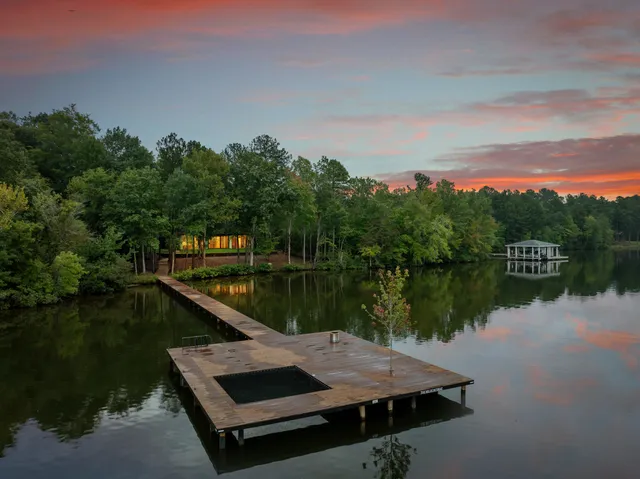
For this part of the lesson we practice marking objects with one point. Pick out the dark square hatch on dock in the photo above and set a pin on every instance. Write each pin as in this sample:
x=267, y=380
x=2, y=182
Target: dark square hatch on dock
x=267, y=384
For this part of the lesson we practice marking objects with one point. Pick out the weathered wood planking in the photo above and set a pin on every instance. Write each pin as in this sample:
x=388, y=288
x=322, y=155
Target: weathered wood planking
x=357, y=371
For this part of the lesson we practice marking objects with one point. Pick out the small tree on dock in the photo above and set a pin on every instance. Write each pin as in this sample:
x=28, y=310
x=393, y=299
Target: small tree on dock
x=391, y=311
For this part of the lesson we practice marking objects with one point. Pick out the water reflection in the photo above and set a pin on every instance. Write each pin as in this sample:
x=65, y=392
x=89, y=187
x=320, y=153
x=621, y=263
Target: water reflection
x=388, y=455
x=444, y=300
x=545, y=355
x=67, y=366
x=392, y=458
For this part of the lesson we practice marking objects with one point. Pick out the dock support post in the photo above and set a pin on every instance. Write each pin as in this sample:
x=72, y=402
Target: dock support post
x=182, y=381
x=463, y=395
x=390, y=407
x=241, y=437
x=222, y=440
x=413, y=403
x=363, y=413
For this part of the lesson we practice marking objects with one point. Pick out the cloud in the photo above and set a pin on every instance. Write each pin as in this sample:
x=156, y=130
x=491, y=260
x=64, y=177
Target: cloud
x=604, y=166
x=523, y=110
x=76, y=28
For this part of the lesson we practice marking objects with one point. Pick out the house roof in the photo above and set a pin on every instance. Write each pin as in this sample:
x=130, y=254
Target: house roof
x=535, y=243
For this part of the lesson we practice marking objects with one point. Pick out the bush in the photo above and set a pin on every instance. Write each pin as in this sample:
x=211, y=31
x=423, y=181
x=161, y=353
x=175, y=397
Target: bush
x=66, y=271
x=143, y=279
x=106, y=270
x=295, y=267
x=216, y=272
x=265, y=268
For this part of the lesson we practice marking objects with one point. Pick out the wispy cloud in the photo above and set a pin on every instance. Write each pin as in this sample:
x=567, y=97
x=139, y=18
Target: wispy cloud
x=604, y=166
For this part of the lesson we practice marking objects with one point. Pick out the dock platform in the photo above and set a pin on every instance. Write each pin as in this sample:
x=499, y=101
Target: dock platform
x=269, y=377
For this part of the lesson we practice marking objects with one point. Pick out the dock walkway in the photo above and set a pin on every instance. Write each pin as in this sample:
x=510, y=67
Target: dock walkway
x=348, y=374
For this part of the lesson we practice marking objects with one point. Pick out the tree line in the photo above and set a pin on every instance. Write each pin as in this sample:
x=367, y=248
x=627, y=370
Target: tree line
x=80, y=208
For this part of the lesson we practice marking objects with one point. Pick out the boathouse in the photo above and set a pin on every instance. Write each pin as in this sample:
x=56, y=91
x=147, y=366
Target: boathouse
x=534, y=250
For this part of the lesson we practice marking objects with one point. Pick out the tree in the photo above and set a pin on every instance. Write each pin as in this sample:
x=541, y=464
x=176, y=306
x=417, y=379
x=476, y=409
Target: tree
x=14, y=159
x=93, y=190
x=370, y=252
x=212, y=206
x=258, y=178
x=62, y=144
x=135, y=206
x=125, y=151
x=12, y=202
x=391, y=310
x=171, y=152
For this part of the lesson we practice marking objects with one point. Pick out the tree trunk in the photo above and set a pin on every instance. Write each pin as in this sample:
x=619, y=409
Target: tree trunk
x=390, y=352
x=333, y=243
x=304, y=245
x=315, y=259
x=237, y=248
x=173, y=261
x=251, y=250
x=135, y=262
x=193, y=252
x=204, y=249
x=144, y=265
x=289, y=243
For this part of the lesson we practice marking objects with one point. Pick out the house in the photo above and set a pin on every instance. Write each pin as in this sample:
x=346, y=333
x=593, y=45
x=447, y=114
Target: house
x=534, y=250
x=221, y=242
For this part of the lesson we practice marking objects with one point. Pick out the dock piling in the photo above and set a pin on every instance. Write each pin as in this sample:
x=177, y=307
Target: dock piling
x=390, y=407
x=363, y=413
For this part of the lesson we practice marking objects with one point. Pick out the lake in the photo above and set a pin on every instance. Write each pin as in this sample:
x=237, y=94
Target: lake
x=85, y=389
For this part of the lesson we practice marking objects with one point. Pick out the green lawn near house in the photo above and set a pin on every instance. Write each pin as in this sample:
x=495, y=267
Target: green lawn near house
x=209, y=251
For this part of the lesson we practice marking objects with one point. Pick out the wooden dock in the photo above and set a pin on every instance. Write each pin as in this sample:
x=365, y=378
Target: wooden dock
x=352, y=373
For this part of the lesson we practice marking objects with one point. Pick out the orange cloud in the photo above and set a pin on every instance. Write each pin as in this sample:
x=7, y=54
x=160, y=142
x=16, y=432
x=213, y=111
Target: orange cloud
x=567, y=166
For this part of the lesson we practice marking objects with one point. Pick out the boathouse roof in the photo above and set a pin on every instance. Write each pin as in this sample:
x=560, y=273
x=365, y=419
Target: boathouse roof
x=535, y=243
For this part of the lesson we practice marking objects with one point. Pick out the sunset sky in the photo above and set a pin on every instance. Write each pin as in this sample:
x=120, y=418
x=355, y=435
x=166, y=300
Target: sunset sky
x=509, y=93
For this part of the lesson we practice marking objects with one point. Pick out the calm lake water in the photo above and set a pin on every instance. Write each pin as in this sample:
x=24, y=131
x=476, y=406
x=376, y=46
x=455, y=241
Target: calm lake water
x=85, y=391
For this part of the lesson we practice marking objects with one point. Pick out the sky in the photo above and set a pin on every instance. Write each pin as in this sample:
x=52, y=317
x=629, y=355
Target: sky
x=506, y=93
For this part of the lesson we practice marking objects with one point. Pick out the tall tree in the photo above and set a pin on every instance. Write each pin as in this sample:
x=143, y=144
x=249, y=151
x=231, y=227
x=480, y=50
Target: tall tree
x=125, y=151
x=213, y=206
x=136, y=207
x=62, y=144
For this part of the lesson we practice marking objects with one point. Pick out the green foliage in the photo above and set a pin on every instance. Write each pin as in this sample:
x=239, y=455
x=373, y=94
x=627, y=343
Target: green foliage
x=292, y=267
x=391, y=310
x=106, y=270
x=143, y=279
x=215, y=272
x=264, y=268
x=12, y=202
x=66, y=271
x=65, y=189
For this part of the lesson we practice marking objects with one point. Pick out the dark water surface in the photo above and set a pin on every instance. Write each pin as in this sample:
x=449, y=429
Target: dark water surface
x=84, y=389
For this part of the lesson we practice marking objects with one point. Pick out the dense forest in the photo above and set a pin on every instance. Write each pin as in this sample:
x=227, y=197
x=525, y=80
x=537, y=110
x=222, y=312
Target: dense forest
x=81, y=209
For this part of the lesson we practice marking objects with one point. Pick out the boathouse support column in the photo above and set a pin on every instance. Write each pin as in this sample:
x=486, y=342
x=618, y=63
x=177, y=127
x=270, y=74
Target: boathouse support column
x=413, y=403
x=241, y=437
x=390, y=406
x=363, y=413
x=463, y=395
x=222, y=440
